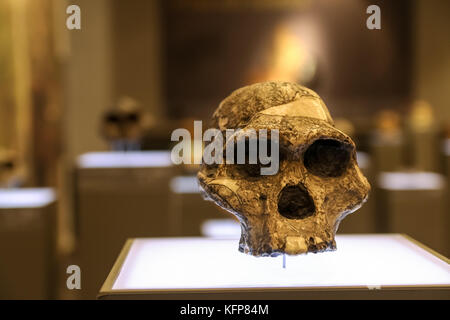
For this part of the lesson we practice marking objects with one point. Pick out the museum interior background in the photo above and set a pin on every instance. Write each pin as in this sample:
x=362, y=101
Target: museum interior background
x=67, y=197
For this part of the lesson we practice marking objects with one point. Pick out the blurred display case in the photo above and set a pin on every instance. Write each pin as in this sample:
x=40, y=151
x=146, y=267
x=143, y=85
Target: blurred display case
x=414, y=203
x=119, y=195
x=27, y=243
x=388, y=155
x=446, y=152
x=424, y=150
x=189, y=209
x=364, y=267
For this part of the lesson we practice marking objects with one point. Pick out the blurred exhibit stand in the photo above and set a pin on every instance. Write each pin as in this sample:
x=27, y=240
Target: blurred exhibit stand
x=447, y=203
x=189, y=209
x=387, y=142
x=363, y=220
x=119, y=195
x=422, y=137
x=414, y=203
x=424, y=148
x=221, y=229
x=388, y=155
x=382, y=266
x=27, y=243
x=446, y=151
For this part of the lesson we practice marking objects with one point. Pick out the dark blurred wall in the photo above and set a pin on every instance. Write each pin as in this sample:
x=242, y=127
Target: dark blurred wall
x=432, y=55
x=213, y=48
x=89, y=77
x=7, y=104
x=137, y=53
x=210, y=52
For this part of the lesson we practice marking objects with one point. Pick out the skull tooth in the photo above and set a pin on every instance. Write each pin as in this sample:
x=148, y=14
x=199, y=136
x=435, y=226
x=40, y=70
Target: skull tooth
x=295, y=245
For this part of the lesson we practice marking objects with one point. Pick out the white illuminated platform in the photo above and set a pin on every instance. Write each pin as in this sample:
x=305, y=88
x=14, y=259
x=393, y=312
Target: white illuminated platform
x=115, y=159
x=364, y=266
x=26, y=198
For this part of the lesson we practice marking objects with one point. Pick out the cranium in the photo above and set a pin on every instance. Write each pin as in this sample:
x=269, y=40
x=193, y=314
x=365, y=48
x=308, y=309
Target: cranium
x=298, y=209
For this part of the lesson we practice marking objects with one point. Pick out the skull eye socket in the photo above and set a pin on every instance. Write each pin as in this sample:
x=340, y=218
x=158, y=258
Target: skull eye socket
x=294, y=202
x=247, y=168
x=328, y=157
x=252, y=147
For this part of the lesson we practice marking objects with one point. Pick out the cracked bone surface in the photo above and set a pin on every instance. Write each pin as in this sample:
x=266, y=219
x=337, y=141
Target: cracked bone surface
x=298, y=209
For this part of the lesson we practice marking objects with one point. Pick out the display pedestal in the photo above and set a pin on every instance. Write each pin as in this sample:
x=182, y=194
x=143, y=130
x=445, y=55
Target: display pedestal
x=119, y=195
x=27, y=243
x=363, y=267
x=446, y=152
x=414, y=203
x=189, y=209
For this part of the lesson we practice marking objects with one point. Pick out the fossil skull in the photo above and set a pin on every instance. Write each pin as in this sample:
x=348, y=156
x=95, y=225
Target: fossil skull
x=298, y=209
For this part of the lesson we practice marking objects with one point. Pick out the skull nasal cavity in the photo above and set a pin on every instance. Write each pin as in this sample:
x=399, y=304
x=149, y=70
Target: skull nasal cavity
x=294, y=202
x=327, y=157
